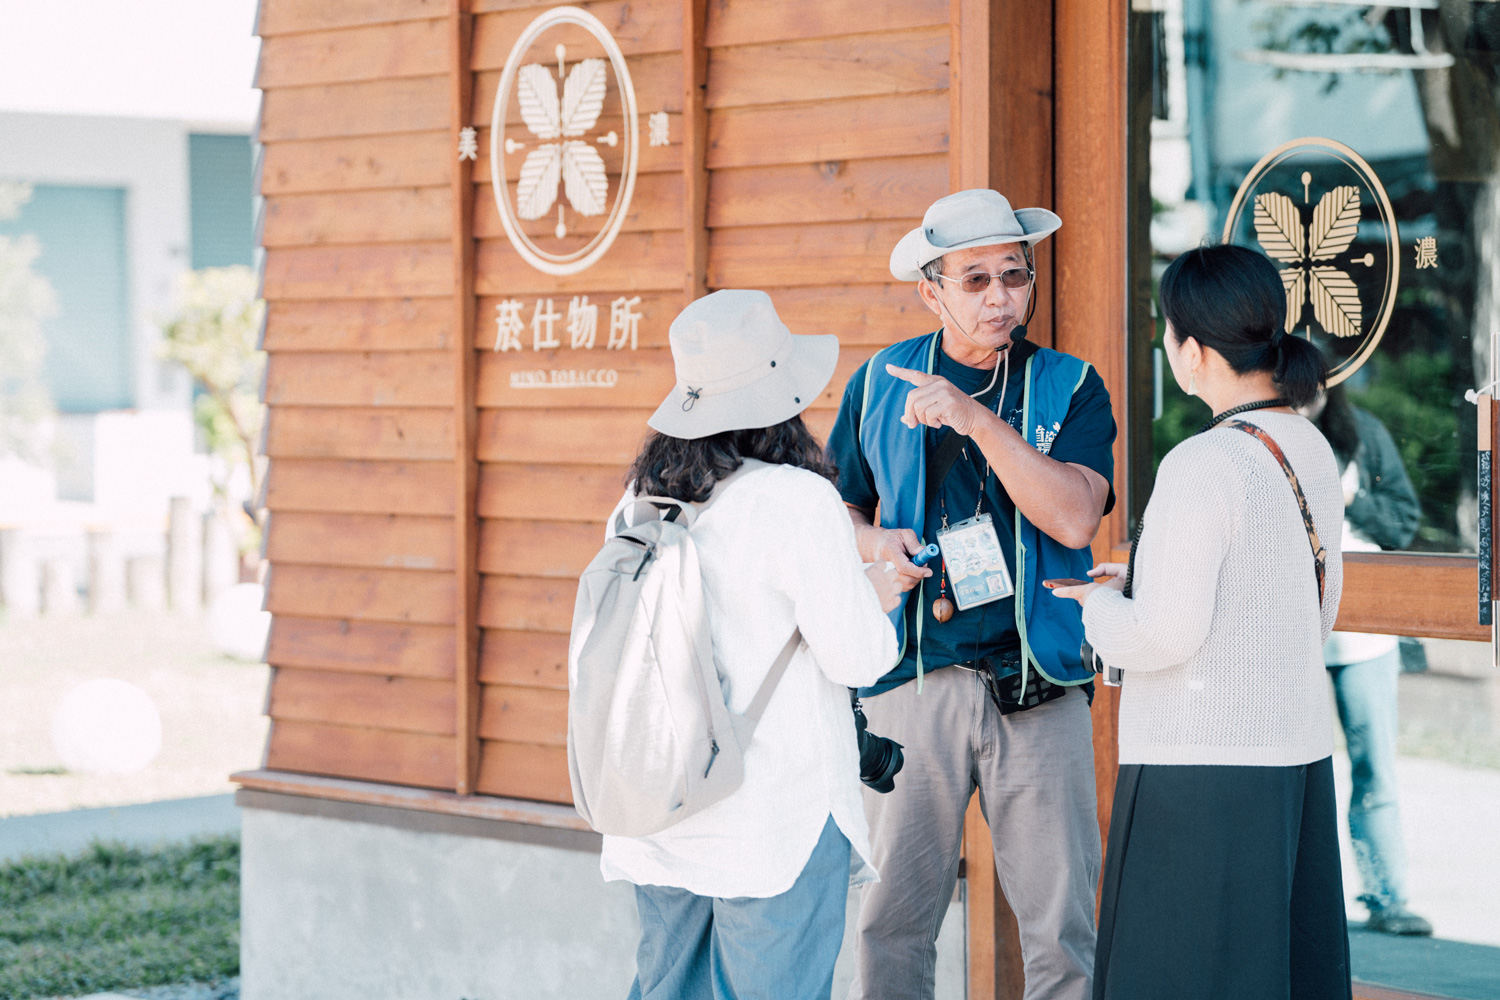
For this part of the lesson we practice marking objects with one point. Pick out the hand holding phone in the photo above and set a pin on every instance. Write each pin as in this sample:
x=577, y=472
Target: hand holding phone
x=1066, y=582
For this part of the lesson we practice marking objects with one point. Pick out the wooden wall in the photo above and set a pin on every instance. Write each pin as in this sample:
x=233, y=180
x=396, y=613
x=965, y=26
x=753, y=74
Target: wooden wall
x=811, y=145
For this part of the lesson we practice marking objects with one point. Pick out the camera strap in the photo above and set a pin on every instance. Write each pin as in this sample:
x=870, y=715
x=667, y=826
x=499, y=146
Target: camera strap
x=949, y=446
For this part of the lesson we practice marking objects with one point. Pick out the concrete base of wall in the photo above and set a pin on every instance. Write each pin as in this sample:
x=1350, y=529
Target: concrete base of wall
x=355, y=902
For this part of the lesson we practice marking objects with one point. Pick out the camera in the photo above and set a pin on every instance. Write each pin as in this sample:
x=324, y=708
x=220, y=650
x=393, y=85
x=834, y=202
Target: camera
x=879, y=757
x=1112, y=675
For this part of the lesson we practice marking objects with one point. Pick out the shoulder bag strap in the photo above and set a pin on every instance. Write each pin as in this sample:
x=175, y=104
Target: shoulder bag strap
x=773, y=677
x=1320, y=555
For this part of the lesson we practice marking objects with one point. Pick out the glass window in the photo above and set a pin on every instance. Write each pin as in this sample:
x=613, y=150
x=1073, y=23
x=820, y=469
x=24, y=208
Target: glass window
x=1357, y=146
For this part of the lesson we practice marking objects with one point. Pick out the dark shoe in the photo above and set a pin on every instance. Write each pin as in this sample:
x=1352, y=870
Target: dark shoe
x=1396, y=919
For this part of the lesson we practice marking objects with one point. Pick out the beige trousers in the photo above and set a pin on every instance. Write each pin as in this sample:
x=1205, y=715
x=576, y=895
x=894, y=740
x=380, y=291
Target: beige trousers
x=1034, y=771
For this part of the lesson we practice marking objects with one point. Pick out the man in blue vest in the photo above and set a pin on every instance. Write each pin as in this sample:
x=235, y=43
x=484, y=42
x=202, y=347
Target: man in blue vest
x=1001, y=452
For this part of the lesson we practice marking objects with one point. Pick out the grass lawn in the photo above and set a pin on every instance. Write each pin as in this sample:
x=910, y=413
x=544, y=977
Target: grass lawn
x=117, y=917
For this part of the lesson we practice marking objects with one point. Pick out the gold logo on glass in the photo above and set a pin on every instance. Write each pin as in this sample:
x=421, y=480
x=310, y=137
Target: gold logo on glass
x=1317, y=209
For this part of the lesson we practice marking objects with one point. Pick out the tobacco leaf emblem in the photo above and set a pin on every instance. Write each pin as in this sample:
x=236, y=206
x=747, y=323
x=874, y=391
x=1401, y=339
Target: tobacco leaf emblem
x=573, y=162
x=1335, y=222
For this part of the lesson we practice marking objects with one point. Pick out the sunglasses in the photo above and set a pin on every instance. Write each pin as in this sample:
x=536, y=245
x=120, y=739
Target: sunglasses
x=978, y=281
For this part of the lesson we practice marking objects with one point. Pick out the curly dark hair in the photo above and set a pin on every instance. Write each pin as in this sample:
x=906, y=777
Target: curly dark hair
x=689, y=469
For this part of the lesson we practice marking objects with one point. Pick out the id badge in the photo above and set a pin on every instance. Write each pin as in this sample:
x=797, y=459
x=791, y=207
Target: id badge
x=976, y=564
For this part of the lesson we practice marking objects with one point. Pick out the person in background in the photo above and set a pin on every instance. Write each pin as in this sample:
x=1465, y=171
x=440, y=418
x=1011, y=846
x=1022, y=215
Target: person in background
x=1381, y=511
x=1222, y=871
x=745, y=899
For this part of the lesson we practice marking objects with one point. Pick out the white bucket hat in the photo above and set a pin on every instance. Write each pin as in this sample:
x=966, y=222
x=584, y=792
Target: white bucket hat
x=978, y=217
x=739, y=367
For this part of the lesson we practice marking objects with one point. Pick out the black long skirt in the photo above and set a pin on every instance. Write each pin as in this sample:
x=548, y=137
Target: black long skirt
x=1223, y=883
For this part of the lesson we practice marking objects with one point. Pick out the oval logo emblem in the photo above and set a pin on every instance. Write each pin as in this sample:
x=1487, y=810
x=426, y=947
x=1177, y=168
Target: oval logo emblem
x=563, y=141
x=1317, y=209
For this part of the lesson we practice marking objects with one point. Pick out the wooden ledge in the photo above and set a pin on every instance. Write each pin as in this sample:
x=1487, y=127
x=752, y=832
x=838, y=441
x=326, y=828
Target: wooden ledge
x=486, y=807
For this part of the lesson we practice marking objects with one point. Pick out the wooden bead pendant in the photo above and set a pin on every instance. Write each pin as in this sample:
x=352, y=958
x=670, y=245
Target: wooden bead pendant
x=942, y=609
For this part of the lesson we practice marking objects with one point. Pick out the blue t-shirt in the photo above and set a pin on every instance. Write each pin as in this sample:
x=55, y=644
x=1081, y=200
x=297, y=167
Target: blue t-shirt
x=1086, y=438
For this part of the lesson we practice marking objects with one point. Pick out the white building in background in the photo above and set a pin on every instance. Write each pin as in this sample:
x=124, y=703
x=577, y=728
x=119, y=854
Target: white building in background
x=120, y=208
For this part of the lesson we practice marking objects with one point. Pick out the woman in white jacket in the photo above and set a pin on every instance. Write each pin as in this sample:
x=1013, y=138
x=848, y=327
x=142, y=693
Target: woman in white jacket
x=745, y=899
x=1222, y=871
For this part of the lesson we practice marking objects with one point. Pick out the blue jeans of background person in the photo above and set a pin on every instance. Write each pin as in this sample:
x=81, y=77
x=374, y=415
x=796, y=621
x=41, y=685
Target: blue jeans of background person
x=776, y=948
x=1366, y=696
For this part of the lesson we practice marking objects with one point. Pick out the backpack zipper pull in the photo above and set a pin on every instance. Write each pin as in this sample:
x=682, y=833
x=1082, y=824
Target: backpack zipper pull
x=713, y=755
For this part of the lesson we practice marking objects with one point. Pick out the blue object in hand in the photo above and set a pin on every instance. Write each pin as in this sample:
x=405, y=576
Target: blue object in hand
x=926, y=556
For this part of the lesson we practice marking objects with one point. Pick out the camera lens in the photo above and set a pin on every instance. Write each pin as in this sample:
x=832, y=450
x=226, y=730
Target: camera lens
x=880, y=758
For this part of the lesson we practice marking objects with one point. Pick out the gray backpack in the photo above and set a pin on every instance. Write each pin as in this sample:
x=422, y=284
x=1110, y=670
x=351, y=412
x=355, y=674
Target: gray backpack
x=650, y=740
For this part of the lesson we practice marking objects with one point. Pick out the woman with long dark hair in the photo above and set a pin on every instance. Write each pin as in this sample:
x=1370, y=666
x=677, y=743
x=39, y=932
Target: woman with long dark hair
x=745, y=899
x=1222, y=870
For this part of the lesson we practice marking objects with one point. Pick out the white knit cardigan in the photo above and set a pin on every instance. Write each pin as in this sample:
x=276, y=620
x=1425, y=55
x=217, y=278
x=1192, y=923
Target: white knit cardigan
x=1221, y=645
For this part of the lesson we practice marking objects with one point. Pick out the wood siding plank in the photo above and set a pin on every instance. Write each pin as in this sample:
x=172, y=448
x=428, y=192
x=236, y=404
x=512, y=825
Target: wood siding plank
x=861, y=315
x=597, y=437
x=853, y=128
x=369, y=107
x=364, y=753
x=524, y=715
x=401, y=704
x=834, y=191
x=372, y=325
x=388, y=595
x=299, y=484
x=528, y=604
x=524, y=771
x=644, y=378
x=528, y=492
x=525, y=659
x=411, y=159
x=657, y=81
x=639, y=29
x=359, y=378
x=744, y=22
x=652, y=160
x=359, y=432
x=656, y=309
x=398, y=215
x=367, y=52
x=656, y=203
x=377, y=541
x=823, y=68
x=281, y=17
x=390, y=271
x=538, y=548
x=637, y=262
x=364, y=647
x=813, y=254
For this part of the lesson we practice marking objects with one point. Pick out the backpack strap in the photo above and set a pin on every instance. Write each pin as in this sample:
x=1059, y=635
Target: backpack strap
x=773, y=677
x=1320, y=555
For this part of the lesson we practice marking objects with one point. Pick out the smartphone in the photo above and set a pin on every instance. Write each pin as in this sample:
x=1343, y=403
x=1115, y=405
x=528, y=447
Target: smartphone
x=1054, y=584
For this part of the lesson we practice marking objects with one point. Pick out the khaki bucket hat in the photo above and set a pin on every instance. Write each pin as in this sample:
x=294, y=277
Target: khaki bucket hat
x=739, y=367
x=978, y=217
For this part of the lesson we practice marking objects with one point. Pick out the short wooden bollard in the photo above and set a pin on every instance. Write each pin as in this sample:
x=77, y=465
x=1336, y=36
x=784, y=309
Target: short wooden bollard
x=184, y=556
x=146, y=582
x=106, y=573
x=59, y=587
x=20, y=582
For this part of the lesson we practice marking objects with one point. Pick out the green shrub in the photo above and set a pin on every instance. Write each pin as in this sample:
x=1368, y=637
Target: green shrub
x=118, y=917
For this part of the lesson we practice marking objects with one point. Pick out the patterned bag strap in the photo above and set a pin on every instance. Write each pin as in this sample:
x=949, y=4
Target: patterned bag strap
x=1320, y=555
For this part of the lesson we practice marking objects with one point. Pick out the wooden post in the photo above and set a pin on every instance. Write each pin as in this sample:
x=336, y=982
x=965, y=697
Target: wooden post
x=694, y=147
x=106, y=572
x=466, y=465
x=1091, y=290
x=1002, y=137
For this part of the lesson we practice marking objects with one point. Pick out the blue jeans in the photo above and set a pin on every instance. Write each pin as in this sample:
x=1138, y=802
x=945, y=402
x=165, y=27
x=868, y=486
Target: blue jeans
x=1366, y=696
x=777, y=948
